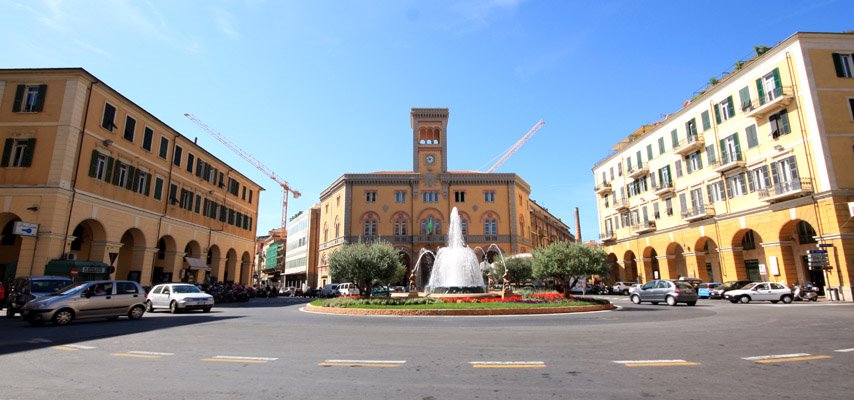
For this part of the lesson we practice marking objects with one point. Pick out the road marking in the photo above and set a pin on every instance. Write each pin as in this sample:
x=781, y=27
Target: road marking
x=39, y=340
x=844, y=350
x=151, y=353
x=135, y=355
x=507, y=364
x=657, y=363
x=362, y=363
x=240, y=359
x=785, y=358
x=73, y=347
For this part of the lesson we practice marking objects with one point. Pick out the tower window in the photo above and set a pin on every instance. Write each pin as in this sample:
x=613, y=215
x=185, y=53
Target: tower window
x=429, y=136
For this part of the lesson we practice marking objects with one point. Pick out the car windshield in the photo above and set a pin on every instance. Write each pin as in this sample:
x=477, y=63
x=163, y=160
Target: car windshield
x=185, y=289
x=70, y=289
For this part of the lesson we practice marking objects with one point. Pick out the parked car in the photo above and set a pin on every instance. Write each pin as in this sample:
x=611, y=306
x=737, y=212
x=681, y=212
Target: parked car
x=704, y=291
x=380, y=291
x=622, y=288
x=398, y=289
x=671, y=292
x=26, y=288
x=348, y=289
x=695, y=282
x=761, y=291
x=95, y=299
x=177, y=297
x=329, y=290
x=718, y=292
x=635, y=286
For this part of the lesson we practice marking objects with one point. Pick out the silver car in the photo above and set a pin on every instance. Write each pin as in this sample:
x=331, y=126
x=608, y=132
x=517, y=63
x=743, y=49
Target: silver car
x=96, y=299
x=671, y=292
x=176, y=297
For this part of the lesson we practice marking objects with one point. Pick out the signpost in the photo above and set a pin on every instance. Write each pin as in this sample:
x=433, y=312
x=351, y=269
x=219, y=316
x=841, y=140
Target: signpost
x=25, y=229
x=817, y=259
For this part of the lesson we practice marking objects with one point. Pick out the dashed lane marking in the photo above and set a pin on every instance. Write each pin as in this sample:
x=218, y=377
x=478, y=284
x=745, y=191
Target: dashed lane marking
x=73, y=347
x=240, y=359
x=362, y=363
x=779, y=358
x=844, y=350
x=507, y=364
x=657, y=363
x=142, y=354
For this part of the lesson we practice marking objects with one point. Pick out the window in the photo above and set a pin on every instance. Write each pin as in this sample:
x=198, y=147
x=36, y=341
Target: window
x=769, y=86
x=130, y=128
x=655, y=212
x=250, y=196
x=400, y=228
x=147, y=136
x=691, y=129
x=744, y=96
x=430, y=197
x=752, y=139
x=697, y=199
x=724, y=110
x=730, y=149
x=400, y=196
x=198, y=207
x=233, y=186
x=611, y=170
x=18, y=152
x=736, y=185
x=158, y=188
x=851, y=107
x=142, y=183
x=668, y=205
x=173, y=193
x=108, y=122
x=693, y=162
x=489, y=196
x=460, y=197
x=98, y=165
x=629, y=165
x=121, y=174
x=640, y=160
x=191, y=159
x=664, y=177
x=779, y=124
x=619, y=168
x=164, y=147
x=844, y=65
x=678, y=165
x=465, y=227
x=707, y=123
x=430, y=226
x=29, y=98
x=674, y=138
x=370, y=228
x=371, y=196
x=490, y=227
x=785, y=175
x=177, y=159
x=716, y=192
x=648, y=152
x=661, y=145
x=758, y=178
x=711, y=154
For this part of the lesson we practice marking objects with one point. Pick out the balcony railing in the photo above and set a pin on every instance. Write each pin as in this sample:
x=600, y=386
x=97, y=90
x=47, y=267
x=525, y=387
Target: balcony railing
x=664, y=188
x=691, y=144
x=772, y=101
x=621, y=204
x=638, y=172
x=607, y=236
x=696, y=214
x=603, y=188
x=786, y=190
x=643, y=227
x=728, y=163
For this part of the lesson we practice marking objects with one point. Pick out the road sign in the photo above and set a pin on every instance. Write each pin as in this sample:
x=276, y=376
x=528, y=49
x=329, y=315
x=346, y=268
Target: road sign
x=817, y=259
x=824, y=245
x=25, y=229
x=73, y=272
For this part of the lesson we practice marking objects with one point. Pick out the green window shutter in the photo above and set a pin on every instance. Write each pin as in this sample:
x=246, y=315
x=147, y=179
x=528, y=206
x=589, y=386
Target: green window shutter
x=724, y=154
x=837, y=62
x=147, y=184
x=639, y=157
x=40, y=100
x=661, y=145
x=744, y=94
x=108, y=173
x=775, y=175
x=761, y=90
x=699, y=161
x=730, y=106
x=116, y=170
x=710, y=154
x=27, y=157
x=649, y=152
x=674, y=136
x=718, y=113
x=7, y=152
x=784, y=122
x=93, y=164
x=132, y=177
x=19, y=99
x=707, y=122
x=777, y=81
x=158, y=189
x=737, y=147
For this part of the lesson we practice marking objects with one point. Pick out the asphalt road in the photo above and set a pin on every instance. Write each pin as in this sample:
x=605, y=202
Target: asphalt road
x=271, y=349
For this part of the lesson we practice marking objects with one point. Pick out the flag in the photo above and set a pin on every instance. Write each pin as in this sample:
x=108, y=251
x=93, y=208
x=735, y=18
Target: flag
x=430, y=225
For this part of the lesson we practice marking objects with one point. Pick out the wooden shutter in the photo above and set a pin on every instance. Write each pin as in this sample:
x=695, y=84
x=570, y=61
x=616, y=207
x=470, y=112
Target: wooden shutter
x=19, y=98
x=718, y=113
x=793, y=168
x=761, y=89
x=784, y=122
x=737, y=147
x=132, y=178
x=7, y=152
x=699, y=160
x=40, y=99
x=837, y=62
x=724, y=152
x=775, y=174
x=777, y=81
x=147, y=184
x=744, y=94
x=116, y=172
x=93, y=164
x=730, y=106
x=108, y=174
x=27, y=157
x=751, y=185
x=682, y=202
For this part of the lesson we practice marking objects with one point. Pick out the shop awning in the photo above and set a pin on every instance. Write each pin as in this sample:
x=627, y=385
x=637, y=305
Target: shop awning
x=63, y=267
x=196, y=263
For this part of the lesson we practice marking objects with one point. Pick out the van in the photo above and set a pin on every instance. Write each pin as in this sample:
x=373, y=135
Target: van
x=95, y=299
x=348, y=289
x=329, y=290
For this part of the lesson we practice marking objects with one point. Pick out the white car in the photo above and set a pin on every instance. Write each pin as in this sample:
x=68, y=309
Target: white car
x=177, y=297
x=623, y=288
x=761, y=291
x=348, y=289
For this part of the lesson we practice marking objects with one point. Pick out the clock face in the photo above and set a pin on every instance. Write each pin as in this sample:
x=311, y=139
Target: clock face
x=430, y=159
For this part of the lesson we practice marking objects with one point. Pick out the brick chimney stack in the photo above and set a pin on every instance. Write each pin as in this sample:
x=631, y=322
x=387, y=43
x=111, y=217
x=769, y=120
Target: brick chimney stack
x=577, y=227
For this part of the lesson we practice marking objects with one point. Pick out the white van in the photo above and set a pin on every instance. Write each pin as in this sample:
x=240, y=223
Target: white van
x=348, y=289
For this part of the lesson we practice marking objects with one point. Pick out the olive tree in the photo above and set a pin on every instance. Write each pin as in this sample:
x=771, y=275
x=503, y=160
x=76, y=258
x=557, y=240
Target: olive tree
x=365, y=264
x=520, y=269
x=567, y=262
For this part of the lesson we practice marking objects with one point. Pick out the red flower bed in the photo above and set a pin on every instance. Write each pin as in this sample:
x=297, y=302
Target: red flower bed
x=550, y=296
x=509, y=299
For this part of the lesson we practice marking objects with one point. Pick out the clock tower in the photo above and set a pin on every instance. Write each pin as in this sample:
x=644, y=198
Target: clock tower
x=429, y=144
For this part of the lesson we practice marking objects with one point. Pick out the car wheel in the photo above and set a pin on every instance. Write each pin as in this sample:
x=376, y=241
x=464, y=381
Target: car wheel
x=625, y=292
x=63, y=317
x=636, y=299
x=744, y=299
x=692, y=303
x=149, y=306
x=671, y=301
x=786, y=299
x=173, y=307
x=206, y=309
x=136, y=312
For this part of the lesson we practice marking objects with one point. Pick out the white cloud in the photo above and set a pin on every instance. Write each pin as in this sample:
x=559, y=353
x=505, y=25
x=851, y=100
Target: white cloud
x=477, y=15
x=225, y=23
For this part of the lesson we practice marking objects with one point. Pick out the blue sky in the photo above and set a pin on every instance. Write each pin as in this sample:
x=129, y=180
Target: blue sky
x=316, y=89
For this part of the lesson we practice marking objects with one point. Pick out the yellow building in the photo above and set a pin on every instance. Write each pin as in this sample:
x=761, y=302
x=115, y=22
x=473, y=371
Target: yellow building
x=411, y=209
x=746, y=179
x=89, y=180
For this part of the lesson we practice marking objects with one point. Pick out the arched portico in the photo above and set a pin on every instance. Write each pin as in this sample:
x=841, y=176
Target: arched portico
x=131, y=259
x=10, y=247
x=708, y=262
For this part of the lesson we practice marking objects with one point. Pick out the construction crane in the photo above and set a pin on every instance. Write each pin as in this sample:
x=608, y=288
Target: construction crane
x=516, y=146
x=286, y=188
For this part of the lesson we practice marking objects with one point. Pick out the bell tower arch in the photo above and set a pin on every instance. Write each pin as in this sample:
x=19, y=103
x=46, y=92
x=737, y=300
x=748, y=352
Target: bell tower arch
x=429, y=144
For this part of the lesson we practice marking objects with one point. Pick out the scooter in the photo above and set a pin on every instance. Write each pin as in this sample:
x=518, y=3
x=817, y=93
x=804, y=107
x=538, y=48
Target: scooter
x=805, y=294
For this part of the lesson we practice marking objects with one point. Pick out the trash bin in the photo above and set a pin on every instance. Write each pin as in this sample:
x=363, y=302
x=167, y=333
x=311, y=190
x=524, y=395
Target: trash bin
x=833, y=294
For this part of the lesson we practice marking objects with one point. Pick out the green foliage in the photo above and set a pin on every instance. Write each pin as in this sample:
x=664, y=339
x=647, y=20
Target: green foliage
x=521, y=269
x=566, y=262
x=713, y=81
x=344, y=302
x=365, y=265
x=760, y=49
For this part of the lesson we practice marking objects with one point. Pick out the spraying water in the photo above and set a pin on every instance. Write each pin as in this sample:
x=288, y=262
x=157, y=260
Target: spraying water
x=456, y=269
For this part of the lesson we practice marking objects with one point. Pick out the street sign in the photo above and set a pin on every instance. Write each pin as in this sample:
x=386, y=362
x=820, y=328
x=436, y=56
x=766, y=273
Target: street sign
x=73, y=272
x=25, y=229
x=824, y=245
x=817, y=259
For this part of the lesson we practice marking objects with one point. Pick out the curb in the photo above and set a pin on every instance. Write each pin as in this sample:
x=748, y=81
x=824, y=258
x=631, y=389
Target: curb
x=486, y=312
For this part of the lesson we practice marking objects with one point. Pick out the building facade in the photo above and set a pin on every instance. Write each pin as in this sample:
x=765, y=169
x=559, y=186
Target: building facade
x=746, y=180
x=94, y=186
x=301, y=253
x=269, y=258
x=411, y=209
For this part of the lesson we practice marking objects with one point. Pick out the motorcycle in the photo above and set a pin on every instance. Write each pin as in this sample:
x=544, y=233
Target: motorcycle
x=805, y=294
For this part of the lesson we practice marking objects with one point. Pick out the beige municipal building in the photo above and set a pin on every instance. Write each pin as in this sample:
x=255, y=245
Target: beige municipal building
x=93, y=186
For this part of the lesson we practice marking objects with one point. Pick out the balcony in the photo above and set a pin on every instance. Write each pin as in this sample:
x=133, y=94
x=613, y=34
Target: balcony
x=639, y=172
x=603, y=189
x=696, y=214
x=690, y=145
x=773, y=101
x=621, y=204
x=608, y=236
x=728, y=164
x=643, y=227
x=664, y=189
x=786, y=190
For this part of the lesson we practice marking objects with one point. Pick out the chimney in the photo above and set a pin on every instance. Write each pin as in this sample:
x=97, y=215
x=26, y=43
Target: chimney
x=577, y=227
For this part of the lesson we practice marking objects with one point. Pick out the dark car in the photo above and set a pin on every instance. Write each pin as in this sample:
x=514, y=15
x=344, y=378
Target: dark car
x=718, y=292
x=26, y=288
